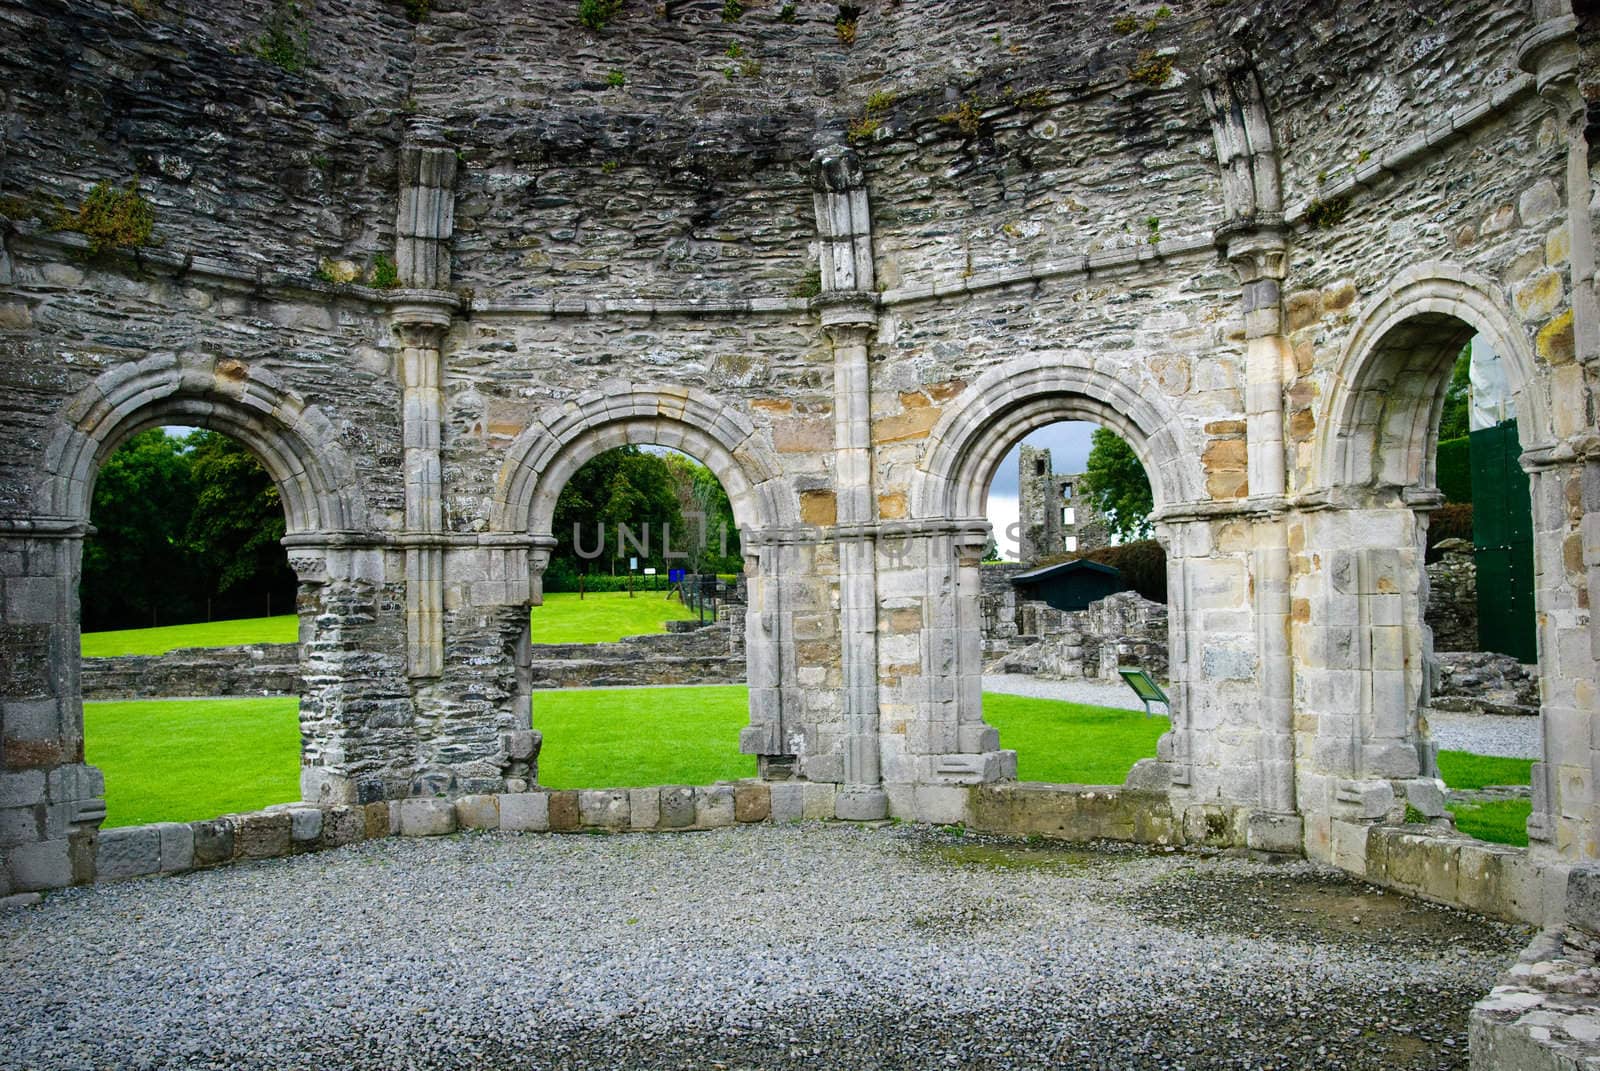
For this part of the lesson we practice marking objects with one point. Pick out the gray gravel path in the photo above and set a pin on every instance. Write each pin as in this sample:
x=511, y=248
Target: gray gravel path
x=808, y=947
x=1098, y=693
x=1486, y=734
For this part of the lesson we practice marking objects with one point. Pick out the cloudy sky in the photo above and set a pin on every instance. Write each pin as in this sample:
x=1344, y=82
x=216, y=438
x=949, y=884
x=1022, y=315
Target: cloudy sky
x=1068, y=443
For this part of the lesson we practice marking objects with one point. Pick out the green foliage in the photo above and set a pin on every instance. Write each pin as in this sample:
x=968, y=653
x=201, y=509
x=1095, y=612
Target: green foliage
x=1455, y=421
x=184, y=760
x=1125, y=25
x=1067, y=743
x=810, y=286
x=283, y=39
x=606, y=616
x=595, y=14
x=1142, y=563
x=734, y=50
x=616, y=79
x=417, y=10
x=384, y=275
x=1116, y=483
x=1151, y=68
x=846, y=26
x=967, y=116
x=861, y=129
x=187, y=530
x=786, y=13
x=233, y=533
x=1322, y=215
x=111, y=218
x=1454, y=470
x=143, y=499
x=732, y=10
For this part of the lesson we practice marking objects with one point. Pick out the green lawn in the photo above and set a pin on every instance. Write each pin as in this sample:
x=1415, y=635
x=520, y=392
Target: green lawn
x=180, y=760
x=1499, y=821
x=599, y=617
x=153, y=641
x=604, y=616
x=1070, y=743
x=631, y=737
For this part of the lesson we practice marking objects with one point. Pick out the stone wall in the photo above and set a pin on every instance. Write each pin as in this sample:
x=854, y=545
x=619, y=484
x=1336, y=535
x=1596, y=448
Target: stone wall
x=252, y=669
x=710, y=655
x=1452, y=611
x=1124, y=629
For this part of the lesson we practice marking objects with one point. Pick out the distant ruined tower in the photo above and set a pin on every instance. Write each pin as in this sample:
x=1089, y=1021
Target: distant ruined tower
x=1054, y=517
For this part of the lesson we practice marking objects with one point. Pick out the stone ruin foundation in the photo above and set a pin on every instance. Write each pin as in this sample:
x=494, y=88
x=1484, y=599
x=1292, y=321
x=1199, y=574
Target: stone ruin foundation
x=429, y=269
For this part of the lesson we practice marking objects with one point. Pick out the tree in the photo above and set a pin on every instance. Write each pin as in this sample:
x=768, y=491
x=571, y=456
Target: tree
x=1455, y=419
x=136, y=566
x=1116, y=483
x=234, y=531
x=625, y=486
x=709, y=525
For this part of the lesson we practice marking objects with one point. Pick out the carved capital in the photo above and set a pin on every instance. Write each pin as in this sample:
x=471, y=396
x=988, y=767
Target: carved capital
x=1550, y=54
x=421, y=326
x=1256, y=251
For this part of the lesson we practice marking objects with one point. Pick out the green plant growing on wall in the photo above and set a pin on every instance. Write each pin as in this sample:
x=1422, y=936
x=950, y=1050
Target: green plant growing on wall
x=861, y=129
x=810, y=286
x=595, y=14
x=1321, y=215
x=786, y=13
x=283, y=41
x=1151, y=69
x=616, y=79
x=417, y=10
x=847, y=24
x=966, y=117
x=1124, y=25
x=732, y=10
x=1153, y=224
x=111, y=218
x=734, y=50
x=384, y=275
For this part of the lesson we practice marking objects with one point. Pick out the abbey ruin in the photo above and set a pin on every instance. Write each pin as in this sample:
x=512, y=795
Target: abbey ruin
x=430, y=268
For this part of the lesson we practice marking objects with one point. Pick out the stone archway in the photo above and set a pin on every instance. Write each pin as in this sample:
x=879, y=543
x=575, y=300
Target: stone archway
x=1375, y=469
x=562, y=438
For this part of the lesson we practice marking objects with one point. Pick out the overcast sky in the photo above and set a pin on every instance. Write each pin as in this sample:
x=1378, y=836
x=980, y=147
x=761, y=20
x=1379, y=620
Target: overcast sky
x=1068, y=443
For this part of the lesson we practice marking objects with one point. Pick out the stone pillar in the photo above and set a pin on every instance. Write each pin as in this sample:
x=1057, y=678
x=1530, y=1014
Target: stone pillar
x=769, y=657
x=425, y=220
x=51, y=803
x=421, y=328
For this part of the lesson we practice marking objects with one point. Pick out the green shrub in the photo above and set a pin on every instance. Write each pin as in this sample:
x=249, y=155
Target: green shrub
x=596, y=13
x=111, y=218
x=384, y=275
x=732, y=10
x=1455, y=470
x=1142, y=563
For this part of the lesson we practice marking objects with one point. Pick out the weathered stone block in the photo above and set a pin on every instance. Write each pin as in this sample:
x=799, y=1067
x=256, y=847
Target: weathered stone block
x=427, y=817
x=788, y=800
x=565, y=816
x=177, y=847
x=1427, y=796
x=605, y=808
x=41, y=865
x=378, y=820
x=23, y=789
x=644, y=808
x=478, y=812
x=343, y=825
x=752, y=801
x=818, y=801
x=1274, y=833
x=305, y=827
x=1583, y=898
x=130, y=852
x=714, y=806
x=677, y=807
x=262, y=835
x=213, y=841
x=525, y=812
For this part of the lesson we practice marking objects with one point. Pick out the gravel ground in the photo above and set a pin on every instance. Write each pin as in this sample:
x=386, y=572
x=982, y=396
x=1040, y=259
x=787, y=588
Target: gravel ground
x=1486, y=734
x=1097, y=693
x=751, y=947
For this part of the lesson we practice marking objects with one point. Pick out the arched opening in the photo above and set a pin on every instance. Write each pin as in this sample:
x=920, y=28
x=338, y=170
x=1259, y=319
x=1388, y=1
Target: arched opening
x=1440, y=528
x=1073, y=590
x=971, y=446
x=190, y=680
x=562, y=440
x=637, y=650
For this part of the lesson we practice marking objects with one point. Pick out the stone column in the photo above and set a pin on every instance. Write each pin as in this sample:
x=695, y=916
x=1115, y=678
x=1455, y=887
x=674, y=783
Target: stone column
x=769, y=657
x=50, y=802
x=421, y=328
x=425, y=219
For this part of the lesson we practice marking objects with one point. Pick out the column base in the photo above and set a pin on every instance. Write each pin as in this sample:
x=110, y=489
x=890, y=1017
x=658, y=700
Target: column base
x=861, y=803
x=1282, y=834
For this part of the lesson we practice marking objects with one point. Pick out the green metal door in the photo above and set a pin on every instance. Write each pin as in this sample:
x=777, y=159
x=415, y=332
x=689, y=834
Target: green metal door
x=1502, y=543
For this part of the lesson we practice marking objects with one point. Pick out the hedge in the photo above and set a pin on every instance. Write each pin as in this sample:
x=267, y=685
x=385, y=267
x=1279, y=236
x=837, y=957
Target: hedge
x=1143, y=565
x=1455, y=470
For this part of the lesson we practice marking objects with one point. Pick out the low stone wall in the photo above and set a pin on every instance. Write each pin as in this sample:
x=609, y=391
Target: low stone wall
x=1482, y=682
x=1124, y=629
x=710, y=655
x=252, y=669
x=1452, y=610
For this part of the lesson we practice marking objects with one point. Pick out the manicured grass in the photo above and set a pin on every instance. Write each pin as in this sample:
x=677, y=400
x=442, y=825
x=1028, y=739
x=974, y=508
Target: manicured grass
x=604, y=616
x=1500, y=821
x=1070, y=743
x=1464, y=770
x=179, y=760
x=153, y=641
x=632, y=737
